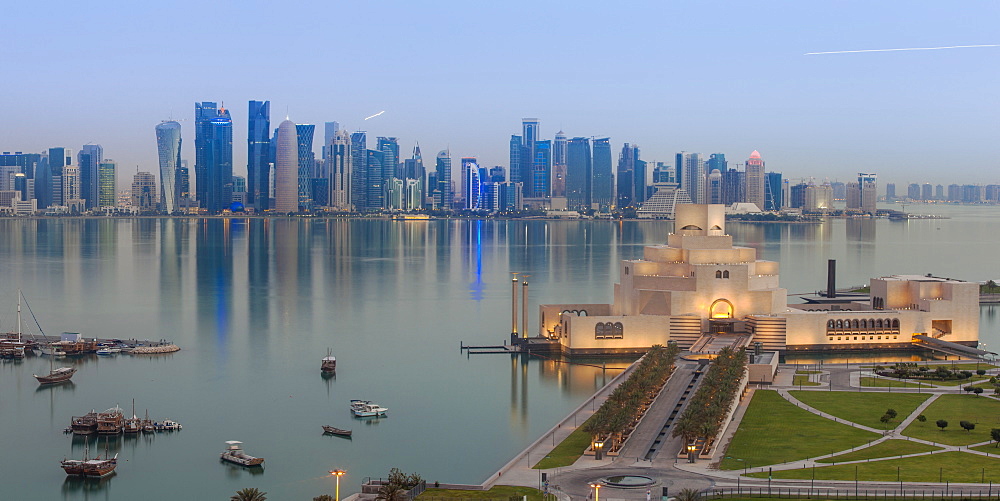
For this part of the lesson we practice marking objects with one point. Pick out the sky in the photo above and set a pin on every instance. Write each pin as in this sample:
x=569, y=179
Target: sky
x=703, y=76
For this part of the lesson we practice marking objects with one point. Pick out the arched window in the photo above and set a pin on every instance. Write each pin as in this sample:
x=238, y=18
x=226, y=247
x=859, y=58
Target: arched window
x=721, y=308
x=718, y=274
x=617, y=330
x=878, y=323
x=725, y=274
x=582, y=313
x=599, y=330
x=895, y=323
x=864, y=324
x=830, y=325
x=840, y=324
x=854, y=323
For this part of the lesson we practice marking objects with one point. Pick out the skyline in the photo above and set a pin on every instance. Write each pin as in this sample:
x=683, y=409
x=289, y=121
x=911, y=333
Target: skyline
x=679, y=77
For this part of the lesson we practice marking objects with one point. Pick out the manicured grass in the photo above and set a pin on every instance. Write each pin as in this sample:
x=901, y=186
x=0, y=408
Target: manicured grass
x=862, y=407
x=965, y=366
x=567, y=452
x=887, y=383
x=808, y=372
x=775, y=431
x=803, y=380
x=990, y=448
x=946, y=467
x=957, y=382
x=498, y=492
x=984, y=412
x=886, y=449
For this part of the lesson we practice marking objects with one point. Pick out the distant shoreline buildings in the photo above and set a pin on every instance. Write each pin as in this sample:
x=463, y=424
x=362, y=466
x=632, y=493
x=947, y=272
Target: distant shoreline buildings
x=565, y=175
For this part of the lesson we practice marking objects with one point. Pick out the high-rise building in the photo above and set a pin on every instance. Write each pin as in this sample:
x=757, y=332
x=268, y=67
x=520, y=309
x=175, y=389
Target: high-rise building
x=853, y=198
x=413, y=170
x=48, y=179
x=87, y=160
x=107, y=183
x=913, y=191
x=714, y=187
x=466, y=164
x=376, y=184
x=733, y=186
x=542, y=169
x=183, y=182
x=307, y=162
x=939, y=192
x=529, y=133
x=559, y=165
x=389, y=147
x=144, y=192
x=445, y=195
x=337, y=156
x=604, y=181
x=286, y=169
x=213, y=157
x=515, y=159
x=359, y=171
x=691, y=174
x=755, y=180
x=626, y=177
x=168, y=148
x=868, y=192
x=330, y=129
x=259, y=155
x=926, y=192
x=473, y=184
x=773, y=191
x=717, y=161
x=579, y=174
x=890, y=191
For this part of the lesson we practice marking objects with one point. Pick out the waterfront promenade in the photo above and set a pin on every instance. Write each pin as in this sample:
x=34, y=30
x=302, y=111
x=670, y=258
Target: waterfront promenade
x=674, y=474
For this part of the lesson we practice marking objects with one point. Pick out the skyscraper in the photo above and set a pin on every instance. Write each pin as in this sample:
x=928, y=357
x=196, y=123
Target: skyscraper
x=259, y=155
x=691, y=174
x=869, y=191
x=542, y=169
x=87, y=160
x=755, y=180
x=286, y=169
x=529, y=135
x=604, y=181
x=443, y=167
x=307, y=162
x=579, y=173
x=107, y=183
x=472, y=185
x=389, y=147
x=626, y=177
x=559, y=165
x=144, y=192
x=377, y=187
x=516, y=163
x=168, y=147
x=773, y=192
x=714, y=187
x=359, y=171
x=213, y=157
x=337, y=154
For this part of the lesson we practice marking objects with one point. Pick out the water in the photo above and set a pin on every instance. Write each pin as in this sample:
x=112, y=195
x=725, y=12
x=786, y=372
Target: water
x=255, y=304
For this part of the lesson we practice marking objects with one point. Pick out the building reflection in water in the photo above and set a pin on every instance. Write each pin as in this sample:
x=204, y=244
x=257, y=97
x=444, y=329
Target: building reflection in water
x=214, y=280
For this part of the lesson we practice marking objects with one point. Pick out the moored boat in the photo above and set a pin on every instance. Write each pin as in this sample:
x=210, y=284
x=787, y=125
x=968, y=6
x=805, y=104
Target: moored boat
x=234, y=454
x=365, y=408
x=336, y=431
x=90, y=467
x=329, y=363
x=59, y=375
x=106, y=351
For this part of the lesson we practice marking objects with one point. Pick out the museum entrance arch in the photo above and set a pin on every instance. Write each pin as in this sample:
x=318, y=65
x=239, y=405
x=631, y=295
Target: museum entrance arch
x=721, y=308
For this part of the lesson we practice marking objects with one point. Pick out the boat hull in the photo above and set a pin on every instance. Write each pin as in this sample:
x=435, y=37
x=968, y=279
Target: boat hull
x=330, y=430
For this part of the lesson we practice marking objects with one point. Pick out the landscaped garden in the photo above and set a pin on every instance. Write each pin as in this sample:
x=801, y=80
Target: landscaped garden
x=951, y=411
x=862, y=408
x=886, y=449
x=774, y=430
x=941, y=467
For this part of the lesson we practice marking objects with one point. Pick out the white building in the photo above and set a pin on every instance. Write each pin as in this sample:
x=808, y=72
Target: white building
x=700, y=286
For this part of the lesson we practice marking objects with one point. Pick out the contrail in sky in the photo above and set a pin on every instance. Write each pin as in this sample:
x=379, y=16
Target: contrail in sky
x=896, y=50
x=377, y=114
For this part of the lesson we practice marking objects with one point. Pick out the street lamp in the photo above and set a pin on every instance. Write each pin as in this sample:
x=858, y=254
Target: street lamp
x=598, y=450
x=597, y=490
x=691, y=450
x=338, y=474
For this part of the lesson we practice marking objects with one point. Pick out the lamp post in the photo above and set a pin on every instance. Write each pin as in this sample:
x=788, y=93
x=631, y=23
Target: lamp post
x=338, y=474
x=691, y=450
x=597, y=490
x=599, y=450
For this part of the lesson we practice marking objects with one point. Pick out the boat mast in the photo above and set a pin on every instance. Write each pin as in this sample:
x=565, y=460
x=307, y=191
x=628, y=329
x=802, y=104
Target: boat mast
x=19, y=315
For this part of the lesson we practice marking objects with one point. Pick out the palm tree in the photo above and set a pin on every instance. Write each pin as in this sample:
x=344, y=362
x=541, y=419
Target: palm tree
x=689, y=495
x=323, y=497
x=249, y=494
x=391, y=492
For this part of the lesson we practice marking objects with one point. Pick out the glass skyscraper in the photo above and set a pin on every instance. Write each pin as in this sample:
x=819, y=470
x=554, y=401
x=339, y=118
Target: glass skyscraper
x=213, y=157
x=87, y=160
x=259, y=155
x=359, y=171
x=307, y=162
x=107, y=183
x=604, y=182
x=579, y=173
x=168, y=146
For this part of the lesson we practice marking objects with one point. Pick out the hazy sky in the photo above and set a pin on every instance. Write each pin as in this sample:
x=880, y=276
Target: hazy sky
x=701, y=76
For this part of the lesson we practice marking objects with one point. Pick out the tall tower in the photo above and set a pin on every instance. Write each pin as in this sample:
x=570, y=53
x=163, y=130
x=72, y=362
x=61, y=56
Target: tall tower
x=307, y=162
x=529, y=136
x=559, y=165
x=445, y=195
x=143, y=191
x=213, y=167
x=259, y=155
x=579, y=173
x=359, y=171
x=204, y=112
x=604, y=182
x=542, y=169
x=691, y=173
x=755, y=180
x=87, y=160
x=107, y=183
x=168, y=148
x=337, y=153
x=516, y=160
x=626, y=177
x=286, y=169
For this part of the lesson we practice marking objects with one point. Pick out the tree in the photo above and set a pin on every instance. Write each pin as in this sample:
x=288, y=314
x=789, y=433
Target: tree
x=922, y=418
x=391, y=492
x=885, y=420
x=249, y=494
x=967, y=425
x=891, y=413
x=941, y=423
x=323, y=497
x=977, y=391
x=968, y=389
x=689, y=495
x=995, y=435
x=981, y=372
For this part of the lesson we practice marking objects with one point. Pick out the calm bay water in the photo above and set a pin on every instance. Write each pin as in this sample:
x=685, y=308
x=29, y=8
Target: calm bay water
x=254, y=304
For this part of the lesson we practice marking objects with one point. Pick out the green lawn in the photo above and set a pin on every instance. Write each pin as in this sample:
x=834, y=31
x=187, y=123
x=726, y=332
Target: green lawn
x=946, y=467
x=985, y=412
x=886, y=449
x=862, y=407
x=882, y=382
x=567, y=452
x=775, y=431
x=957, y=382
x=808, y=372
x=990, y=448
x=803, y=380
x=498, y=492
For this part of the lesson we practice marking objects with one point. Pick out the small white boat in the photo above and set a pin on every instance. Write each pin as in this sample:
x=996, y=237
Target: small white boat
x=109, y=351
x=365, y=408
x=234, y=454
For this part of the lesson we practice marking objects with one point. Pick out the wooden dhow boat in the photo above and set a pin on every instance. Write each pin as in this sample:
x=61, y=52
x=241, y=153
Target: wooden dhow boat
x=330, y=430
x=234, y=454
